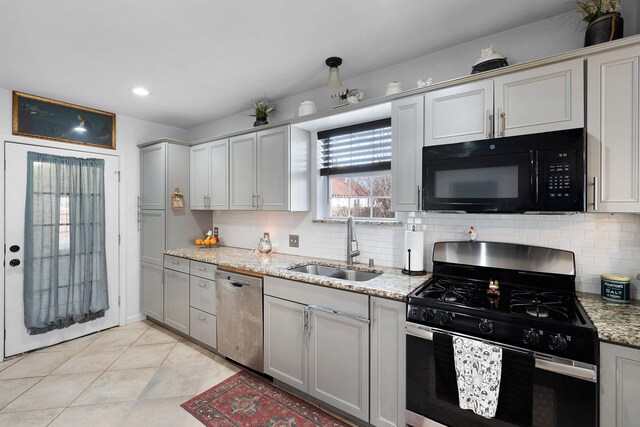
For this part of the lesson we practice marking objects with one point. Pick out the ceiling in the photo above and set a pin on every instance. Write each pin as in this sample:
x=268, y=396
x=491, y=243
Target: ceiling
x=206, y=59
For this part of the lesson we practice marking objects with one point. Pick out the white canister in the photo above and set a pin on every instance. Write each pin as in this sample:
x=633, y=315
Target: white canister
x=306, y=108
x=393, y=88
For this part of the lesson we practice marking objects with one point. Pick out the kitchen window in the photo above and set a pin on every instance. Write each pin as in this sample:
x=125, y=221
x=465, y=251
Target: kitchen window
x=356, y=162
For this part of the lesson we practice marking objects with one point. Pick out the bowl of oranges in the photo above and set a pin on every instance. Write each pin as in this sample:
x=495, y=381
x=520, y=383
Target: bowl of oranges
x=208, y=241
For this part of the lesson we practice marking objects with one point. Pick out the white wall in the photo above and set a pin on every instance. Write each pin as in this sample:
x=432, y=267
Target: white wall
x=129, y=132
x=602, y=243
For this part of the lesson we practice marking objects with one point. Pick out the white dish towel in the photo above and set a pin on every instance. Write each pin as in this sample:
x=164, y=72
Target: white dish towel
x=478, y=369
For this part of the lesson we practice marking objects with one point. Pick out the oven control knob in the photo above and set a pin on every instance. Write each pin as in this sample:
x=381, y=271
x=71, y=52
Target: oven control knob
x=557, y=342
x=531, y=337
x=446, y=319
x=427, y=314
x=486, y=326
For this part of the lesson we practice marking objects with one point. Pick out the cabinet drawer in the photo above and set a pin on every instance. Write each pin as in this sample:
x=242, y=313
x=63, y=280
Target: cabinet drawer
x=203, y=327
x=203, y=294
x=176, y=263
x=203, y=269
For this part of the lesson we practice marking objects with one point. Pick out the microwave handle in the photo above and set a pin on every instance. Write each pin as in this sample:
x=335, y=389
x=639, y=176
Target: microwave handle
x=533, y=173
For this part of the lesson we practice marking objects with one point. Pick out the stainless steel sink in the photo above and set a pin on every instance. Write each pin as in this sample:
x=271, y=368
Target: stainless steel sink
x=335, y=272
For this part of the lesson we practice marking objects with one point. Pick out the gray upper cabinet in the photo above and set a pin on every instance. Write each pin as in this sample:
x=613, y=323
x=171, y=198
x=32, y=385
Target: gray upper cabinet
x=459, y=113
x=209, y=176
x=613, y=131
x=537, y=100
x=198, y=176
x=242, y=186
x=541, y=99
x=153, y=176
x=269, y=170
x=273, y=169
x=407, y=123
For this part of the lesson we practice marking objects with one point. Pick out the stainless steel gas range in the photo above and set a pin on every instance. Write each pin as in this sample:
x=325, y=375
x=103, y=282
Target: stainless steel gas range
x=518, y=298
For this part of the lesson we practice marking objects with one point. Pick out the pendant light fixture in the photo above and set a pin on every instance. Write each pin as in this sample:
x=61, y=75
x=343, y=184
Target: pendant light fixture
x=334, y=75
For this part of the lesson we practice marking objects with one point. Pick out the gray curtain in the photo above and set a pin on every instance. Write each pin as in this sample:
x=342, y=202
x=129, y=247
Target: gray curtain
x=65, y=265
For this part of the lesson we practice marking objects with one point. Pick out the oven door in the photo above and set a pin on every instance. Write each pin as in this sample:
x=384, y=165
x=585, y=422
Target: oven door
x=563, y=395
x=458, y=178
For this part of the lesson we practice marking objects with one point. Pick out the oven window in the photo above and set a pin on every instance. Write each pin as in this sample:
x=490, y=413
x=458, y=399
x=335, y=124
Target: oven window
x=498, y=182
x=558, y=400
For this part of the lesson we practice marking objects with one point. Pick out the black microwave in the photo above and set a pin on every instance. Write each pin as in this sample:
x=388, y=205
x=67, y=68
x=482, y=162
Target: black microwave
x=542, y=172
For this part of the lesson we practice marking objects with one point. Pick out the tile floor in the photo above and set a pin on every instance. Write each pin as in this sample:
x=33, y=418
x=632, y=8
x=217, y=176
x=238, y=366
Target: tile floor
x=136, y=375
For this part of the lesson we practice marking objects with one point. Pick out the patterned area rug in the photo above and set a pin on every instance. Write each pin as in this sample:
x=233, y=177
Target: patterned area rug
x=248, y=400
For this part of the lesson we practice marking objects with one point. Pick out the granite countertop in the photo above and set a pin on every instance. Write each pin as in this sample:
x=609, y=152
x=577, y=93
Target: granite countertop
x=616, y=323
x=390, y=284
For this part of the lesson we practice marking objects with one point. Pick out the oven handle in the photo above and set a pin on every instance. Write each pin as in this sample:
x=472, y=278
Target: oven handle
x=558, y=365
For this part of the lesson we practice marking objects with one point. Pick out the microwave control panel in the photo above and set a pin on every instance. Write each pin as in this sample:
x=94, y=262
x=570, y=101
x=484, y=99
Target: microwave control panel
x=560, y=176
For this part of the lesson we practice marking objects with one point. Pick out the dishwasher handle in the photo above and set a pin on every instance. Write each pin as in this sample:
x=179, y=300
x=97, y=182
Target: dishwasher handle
x=238, y=280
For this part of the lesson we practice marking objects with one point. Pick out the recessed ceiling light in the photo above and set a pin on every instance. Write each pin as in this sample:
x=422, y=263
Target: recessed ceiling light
x=140, y=91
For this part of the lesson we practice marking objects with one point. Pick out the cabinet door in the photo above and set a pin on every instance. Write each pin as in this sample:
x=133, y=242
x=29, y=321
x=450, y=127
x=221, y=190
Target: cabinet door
x=458, y=114
x=151, y=291
x=153, y=176
x=199, y=176
x=339, y=362
x=152, y=236
x=176, y=300
x=285, y=349
x=613, y=131
x=273, y=169
x=619, y=385
x=242, y=186
x=219, y=175
x=388, y=362
x=407, y=123
x=542, y=99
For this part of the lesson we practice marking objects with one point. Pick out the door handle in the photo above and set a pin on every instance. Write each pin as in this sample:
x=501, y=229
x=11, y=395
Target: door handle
x=503, y=123
x=14, y=262
x=418, y=197
x=489, y=124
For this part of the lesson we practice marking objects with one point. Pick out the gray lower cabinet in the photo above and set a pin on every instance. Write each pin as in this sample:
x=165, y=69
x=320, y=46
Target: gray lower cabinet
x=619, y=385
x=202, y=299
x=316, y=339
x=388, y=362
x=286, y=355
x=176, y=300
x=152, y=291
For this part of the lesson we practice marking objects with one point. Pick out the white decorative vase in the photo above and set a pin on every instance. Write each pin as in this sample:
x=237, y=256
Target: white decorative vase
x=306, y=108
x=393, y=88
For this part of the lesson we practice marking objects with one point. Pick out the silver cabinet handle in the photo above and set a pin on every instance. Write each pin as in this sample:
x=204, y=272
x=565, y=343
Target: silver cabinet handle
x=503, y=122
x=201, y=268
x=419, y=201
x=489, y=124
x=202, y=318
x=202, y=285
x=339, y=313
x=258, y=201
x=253, y=200
x=174, y=262
x=595, y=193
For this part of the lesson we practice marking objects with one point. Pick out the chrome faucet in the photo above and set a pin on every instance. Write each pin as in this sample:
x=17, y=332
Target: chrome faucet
x=351, y=237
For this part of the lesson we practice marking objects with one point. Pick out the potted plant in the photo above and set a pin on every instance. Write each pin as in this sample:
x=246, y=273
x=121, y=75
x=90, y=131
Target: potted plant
x=603, y=19
x=262, y=109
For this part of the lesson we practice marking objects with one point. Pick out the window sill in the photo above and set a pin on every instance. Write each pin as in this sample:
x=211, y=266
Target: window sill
x=386, y=223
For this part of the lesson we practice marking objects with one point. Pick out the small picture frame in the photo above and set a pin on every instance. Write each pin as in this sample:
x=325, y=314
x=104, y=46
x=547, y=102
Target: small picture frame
x=177, y=200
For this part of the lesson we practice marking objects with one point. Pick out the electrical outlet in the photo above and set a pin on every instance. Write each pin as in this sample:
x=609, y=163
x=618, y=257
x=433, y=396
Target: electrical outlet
x=294, y=241
x=215, y=231
x=266, y=235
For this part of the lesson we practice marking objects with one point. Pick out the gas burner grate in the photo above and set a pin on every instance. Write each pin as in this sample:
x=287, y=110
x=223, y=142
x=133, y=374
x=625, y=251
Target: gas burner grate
x=544, y=305
x=451, y=291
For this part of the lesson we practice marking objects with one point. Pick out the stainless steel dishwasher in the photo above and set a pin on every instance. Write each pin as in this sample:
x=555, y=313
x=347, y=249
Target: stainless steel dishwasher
x=239, y=318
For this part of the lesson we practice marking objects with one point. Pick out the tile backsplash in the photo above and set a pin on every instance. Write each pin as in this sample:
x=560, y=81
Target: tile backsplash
x=602, y=243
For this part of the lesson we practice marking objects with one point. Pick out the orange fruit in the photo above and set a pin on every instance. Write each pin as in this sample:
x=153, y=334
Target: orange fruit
x=198, y=242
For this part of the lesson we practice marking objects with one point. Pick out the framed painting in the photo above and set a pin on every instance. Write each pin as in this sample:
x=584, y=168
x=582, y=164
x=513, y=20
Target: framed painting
x=38, y=117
